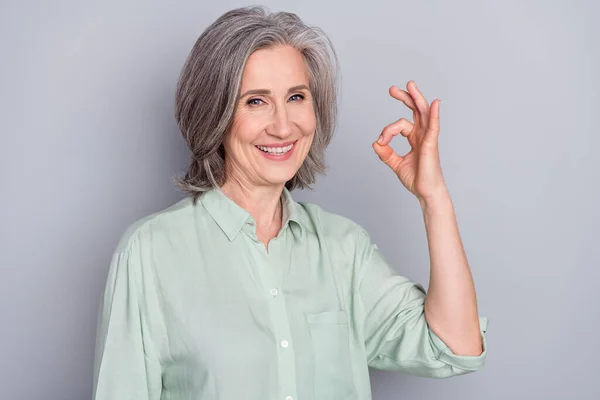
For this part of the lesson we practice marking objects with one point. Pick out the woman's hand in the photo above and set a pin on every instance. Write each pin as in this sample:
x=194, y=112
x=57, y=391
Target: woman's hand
x=419, y=170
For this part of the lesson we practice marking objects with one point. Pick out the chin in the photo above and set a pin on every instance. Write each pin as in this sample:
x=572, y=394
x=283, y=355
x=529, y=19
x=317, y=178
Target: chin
x=274, y=173
x=278, y=180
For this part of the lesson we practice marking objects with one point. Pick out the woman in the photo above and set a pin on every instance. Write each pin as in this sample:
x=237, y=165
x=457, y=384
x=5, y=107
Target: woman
x=238, y=291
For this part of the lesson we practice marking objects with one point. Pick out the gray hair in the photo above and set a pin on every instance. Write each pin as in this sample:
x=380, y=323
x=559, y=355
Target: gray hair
x=210, y=81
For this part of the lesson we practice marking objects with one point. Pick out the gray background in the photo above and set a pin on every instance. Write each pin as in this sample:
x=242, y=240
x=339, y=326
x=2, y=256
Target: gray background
x=89, y=144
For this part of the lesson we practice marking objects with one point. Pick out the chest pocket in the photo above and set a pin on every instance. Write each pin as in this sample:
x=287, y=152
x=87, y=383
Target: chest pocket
x=333, y=378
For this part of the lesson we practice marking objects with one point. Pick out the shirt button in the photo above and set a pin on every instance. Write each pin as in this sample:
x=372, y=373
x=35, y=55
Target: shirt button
x=284, y=343
x=274, y=292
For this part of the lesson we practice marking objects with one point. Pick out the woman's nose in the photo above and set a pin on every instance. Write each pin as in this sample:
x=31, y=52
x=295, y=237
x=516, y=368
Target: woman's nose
x=281, y=125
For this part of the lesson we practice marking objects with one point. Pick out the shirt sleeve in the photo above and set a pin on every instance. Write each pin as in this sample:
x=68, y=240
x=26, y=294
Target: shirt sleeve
x=124, y=365
x=397, y=335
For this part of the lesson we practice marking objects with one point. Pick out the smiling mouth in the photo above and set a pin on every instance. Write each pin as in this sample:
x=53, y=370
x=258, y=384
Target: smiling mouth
x=277, y=151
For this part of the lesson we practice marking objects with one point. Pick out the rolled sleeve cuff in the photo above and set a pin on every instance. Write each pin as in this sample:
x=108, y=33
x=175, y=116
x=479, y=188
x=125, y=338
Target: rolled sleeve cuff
x=467, y=363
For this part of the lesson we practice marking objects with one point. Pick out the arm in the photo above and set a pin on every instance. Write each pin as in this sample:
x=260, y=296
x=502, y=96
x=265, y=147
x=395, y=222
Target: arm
x=125, y=366
x=397, y=336
x=451, y=303
x=450, y=309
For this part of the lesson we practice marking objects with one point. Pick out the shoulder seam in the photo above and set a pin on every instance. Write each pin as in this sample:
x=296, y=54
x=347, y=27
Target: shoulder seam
x=132, y=232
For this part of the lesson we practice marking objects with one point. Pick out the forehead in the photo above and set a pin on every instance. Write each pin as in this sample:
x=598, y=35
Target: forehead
x=276, y=68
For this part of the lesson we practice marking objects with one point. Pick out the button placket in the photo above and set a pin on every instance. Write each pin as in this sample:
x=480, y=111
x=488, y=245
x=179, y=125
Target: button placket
x=279, y=317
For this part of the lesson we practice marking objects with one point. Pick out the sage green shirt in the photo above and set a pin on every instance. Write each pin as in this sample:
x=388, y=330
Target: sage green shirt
x=196, y=307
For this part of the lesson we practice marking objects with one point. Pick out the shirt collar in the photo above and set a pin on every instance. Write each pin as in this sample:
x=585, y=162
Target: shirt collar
x=231, y=218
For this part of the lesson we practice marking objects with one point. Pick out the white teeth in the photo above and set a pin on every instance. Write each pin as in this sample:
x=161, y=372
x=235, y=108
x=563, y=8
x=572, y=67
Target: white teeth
x=276, y=150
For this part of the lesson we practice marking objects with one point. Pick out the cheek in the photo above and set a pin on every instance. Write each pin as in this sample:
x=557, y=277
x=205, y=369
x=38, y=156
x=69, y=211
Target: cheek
x=243, y=130
x=307, y=121
x=308, y=139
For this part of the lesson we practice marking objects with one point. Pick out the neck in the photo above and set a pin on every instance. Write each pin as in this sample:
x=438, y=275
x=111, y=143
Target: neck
x=262, y=202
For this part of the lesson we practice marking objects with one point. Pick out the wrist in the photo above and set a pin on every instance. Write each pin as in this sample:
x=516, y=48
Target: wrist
x=438, y=199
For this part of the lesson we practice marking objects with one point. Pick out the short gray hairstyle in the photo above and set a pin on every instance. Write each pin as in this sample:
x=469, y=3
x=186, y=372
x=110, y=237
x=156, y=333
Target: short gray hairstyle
x=210, y=81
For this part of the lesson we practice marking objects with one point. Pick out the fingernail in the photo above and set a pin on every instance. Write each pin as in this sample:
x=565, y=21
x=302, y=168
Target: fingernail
x=380, y=140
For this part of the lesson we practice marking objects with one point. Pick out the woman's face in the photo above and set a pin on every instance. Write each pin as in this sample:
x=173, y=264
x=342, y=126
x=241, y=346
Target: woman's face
x=274, y=122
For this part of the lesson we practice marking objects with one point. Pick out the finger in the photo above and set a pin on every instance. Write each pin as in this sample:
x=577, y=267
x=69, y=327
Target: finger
x=420, y=101
x=404, y=97
x=402, y=126
x=387, y=155
x=434, y=120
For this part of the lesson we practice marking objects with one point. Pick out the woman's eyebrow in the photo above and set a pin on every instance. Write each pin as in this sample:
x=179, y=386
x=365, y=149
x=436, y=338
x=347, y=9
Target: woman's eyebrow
x=266, y=91
x=299, y=87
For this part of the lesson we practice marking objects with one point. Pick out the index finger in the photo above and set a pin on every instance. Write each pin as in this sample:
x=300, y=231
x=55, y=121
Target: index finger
x=419, y=99
x=404, y=97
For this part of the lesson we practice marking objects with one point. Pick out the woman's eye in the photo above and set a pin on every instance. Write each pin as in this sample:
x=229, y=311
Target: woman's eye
x=254, y=102
x=257, y=102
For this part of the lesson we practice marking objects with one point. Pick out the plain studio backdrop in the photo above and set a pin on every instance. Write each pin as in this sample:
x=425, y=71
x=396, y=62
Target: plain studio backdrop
x=89, y=144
